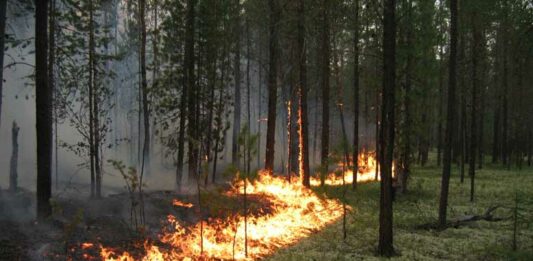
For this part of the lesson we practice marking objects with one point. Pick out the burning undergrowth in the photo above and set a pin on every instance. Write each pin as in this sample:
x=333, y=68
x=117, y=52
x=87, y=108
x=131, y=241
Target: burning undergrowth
x=291, y=212
x=279, y=213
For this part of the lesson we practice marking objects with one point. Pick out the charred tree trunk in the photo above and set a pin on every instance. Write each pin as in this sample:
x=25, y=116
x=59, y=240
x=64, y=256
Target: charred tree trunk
x=385, y=246
x=450, y=118
x=272, y=84
x=325, y=89
x=237, y=91
x=355, y=155
x=13, y=164
x=302, y=98
x=43, y=107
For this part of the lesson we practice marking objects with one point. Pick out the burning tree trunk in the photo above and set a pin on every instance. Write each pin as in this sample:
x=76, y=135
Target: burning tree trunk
x=450, y=118
x=272, y=85
x=385, y=247
x=356, y=96
x=237, y=79
x=13, y=164
x=325, y=89
x=43, y=106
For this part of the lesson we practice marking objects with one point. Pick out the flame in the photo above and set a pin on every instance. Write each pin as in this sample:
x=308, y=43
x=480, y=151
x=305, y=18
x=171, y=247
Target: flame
x=367, y=165
x=296, y=213
x=178, y=203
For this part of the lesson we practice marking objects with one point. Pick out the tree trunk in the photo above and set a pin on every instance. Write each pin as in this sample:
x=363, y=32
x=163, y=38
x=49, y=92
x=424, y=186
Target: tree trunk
x=303, y=122
x=355, y=155
x=450, y=117
x=192, y=90
x=91, y=103
x=145, y=162
x=325, y=90
x=13, y=164
x=43, y=108
x=473, y=116
x=406, y=151
x=51, y=63
x=3, y=10
x=237, y=92
x=385, y=247
x=272, y=84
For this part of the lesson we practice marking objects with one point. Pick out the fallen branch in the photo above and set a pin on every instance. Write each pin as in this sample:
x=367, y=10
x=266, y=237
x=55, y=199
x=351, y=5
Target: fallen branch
x=463, y=220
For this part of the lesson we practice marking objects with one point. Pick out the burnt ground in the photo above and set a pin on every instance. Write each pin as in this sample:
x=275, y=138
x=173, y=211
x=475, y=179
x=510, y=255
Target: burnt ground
x=77, y=219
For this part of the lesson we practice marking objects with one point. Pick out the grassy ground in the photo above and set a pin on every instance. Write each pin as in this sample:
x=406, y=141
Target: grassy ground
x=479, y=240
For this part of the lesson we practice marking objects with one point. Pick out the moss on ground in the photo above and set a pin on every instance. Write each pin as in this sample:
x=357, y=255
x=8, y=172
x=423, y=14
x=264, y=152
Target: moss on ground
x=479, y=240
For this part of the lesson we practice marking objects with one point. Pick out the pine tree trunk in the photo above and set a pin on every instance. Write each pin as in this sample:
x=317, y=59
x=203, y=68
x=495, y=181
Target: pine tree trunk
x=192, y=90
x=325, y=89
x=237, y=92
x=13, y=164
x=3, y=10
x=91, y=103
x=51, y=80
x=355, y=155
x=406, y=151
x=43, y=107
x=450, y=117
x=473, y=122
x=303, y=122
x=145, y=162
x=272, y=84
x=385, y=246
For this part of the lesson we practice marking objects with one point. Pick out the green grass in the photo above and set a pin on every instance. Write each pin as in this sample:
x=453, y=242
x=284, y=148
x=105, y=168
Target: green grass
x=479, y=240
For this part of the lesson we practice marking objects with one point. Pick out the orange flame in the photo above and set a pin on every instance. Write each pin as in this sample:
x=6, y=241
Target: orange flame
x=296, y=212
x=178, y=203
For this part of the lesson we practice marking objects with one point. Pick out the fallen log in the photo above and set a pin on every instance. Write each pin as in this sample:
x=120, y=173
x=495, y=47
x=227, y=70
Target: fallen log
x=463, y=220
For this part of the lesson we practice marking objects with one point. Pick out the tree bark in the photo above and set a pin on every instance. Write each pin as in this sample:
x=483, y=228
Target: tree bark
x=450, y=117
x=237, y=91
x=272, y=85
x=13, y=164
x=302, y=91
x=385, y=246
x=473, y=116
x=192, y=129
x=43, y=108
x=145, y=162
x=3, y=10
x=355, y=155
x=325, y=90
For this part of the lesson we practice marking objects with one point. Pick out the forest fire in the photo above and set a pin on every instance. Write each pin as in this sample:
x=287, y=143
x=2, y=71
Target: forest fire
x=367, y=166
x=298, y=211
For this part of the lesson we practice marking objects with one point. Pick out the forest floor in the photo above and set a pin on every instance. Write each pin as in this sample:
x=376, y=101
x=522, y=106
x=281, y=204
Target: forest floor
x=77, y=220
x=480, y=240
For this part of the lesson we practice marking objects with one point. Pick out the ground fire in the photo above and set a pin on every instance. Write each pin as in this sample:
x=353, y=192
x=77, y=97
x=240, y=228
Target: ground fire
x=297, y=212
